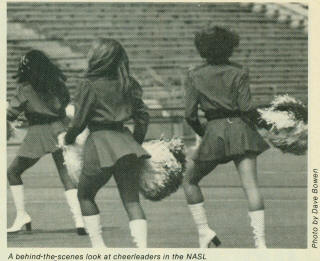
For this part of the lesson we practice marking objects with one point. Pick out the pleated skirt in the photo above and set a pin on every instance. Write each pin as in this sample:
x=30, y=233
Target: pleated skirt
x=41, y=139
x=228, y=139
x=104, y=148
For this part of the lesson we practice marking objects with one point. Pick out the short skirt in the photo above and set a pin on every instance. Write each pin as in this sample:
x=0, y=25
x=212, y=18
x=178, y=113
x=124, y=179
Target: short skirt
x=41, y=139
x=104, y=148
x=227, y=139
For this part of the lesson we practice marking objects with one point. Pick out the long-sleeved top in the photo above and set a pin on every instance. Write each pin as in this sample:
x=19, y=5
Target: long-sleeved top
x=216, y=87
x=101, y=102
x=36, y=109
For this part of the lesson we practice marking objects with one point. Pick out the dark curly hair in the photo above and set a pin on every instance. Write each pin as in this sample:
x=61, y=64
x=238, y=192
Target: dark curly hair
x=216, y=43
x=44, y=76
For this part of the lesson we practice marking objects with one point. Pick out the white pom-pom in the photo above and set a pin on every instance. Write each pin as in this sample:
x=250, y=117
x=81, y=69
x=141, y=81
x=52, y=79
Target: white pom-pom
x=287, y=129
x=281, y=99
x=278, y=119
x=82, y=137
x=73, y=156
x=10, y=130
x=162, y=174
x=70, y=110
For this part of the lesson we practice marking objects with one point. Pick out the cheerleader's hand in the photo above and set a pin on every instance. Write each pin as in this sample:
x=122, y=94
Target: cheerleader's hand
x=61, y=142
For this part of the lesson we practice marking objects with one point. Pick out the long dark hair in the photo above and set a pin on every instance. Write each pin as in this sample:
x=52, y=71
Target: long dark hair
x=108, y=59
x=216, y=43
x=45, y=77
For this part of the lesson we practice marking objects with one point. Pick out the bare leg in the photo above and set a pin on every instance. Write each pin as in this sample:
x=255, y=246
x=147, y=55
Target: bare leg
x=88, y=188
x=193, y=175
x=62, y=170
x=195, y=172
x=126, y=176
x=15, y=170
x=247, y=168
x=71, y=191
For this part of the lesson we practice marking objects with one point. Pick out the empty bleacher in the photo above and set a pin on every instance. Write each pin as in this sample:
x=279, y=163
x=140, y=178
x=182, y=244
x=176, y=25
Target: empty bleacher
x=159, y=41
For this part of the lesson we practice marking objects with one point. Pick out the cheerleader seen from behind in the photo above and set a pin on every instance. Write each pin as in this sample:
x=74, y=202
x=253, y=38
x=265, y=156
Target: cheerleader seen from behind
x=107, y=98
x=43, y=97
x=221, y=89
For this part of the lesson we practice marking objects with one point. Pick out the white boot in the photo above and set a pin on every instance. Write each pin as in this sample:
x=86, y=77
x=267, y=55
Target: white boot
x=22, y=217
x=73, y=202
x=93, y=227
x=138, y=229
x=206, y=234
x=257, y=223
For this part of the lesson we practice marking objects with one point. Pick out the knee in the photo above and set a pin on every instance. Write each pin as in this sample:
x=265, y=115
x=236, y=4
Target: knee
x=132, y=205
x=131, y=199
x=11, y=177
x=252, y=191
x=85, y=194
x=134, y=210
x=13, y=173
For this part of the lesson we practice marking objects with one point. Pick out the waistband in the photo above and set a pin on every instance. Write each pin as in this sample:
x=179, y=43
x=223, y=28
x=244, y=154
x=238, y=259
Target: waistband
x=221, y=114
x=106, y=126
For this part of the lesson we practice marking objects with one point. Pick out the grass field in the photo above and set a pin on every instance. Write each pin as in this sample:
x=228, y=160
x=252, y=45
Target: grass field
x=283, y=179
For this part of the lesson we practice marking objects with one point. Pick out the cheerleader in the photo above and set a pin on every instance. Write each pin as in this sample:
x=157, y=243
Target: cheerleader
x=108, y=97
x=42, y=96
x=221, y=89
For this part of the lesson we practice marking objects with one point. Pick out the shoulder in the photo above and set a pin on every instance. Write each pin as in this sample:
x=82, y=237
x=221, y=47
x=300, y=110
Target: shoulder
x=193, y=69
x=240, y=69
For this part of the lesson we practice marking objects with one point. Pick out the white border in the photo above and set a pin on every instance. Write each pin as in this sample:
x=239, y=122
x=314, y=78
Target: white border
x=211, y=254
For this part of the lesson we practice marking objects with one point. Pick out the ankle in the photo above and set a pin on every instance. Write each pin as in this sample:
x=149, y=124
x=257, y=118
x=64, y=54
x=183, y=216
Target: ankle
x=138, y=230
x=21, y=213
x=203, y=229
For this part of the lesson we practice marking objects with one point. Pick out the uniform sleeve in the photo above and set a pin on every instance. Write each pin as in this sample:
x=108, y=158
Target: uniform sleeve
x=16, y=105
x=140, y=113
x=244, y=96
x=84, y=101
x=191, y=106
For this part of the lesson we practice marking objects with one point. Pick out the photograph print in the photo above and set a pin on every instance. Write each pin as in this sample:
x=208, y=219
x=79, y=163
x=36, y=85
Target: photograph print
x=157, y=125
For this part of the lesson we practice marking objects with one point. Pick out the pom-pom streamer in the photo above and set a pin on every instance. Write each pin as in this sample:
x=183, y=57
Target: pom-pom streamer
x=284, y=124
x=10, y=130
x=73, y=156
x=162, y=175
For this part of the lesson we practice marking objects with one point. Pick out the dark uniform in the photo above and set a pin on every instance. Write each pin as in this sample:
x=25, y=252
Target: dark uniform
x=223, y=94
x=101, y=105
x=45, y=122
